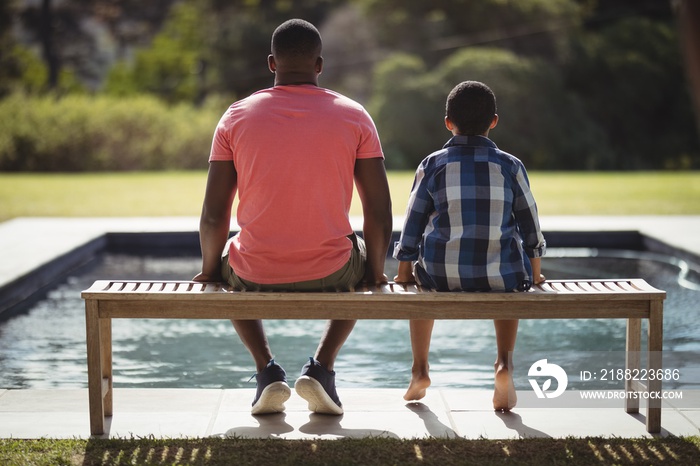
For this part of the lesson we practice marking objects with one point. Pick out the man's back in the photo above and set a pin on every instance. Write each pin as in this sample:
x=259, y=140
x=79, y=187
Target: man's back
x=294, y=148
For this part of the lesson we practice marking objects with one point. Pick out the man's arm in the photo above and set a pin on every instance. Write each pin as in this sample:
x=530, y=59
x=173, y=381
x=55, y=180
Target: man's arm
x=215, y=221
x=373, y=188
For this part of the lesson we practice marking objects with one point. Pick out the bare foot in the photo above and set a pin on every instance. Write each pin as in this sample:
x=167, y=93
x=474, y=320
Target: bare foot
x=504, y=397
x=417, y=387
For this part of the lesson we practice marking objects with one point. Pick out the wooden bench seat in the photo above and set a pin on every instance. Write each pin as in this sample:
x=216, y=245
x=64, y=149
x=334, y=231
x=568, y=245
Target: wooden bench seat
x=631, y=299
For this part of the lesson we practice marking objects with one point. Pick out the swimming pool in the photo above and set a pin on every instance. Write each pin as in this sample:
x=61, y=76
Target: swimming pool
x=44, y=347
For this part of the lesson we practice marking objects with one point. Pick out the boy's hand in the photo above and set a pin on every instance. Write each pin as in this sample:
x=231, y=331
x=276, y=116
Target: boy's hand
x=405, y=273
x=537, y=276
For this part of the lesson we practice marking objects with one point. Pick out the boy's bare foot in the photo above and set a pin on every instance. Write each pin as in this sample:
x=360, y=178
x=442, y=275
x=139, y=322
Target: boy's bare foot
x=504, y=397
x=417, y=387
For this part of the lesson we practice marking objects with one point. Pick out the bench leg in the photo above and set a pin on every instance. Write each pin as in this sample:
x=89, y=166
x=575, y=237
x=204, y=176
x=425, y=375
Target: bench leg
x=106, y=353
x=654, y=364
x=94, y=363
x=633, y=361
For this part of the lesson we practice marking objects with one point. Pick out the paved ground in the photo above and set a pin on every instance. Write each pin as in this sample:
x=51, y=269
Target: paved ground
x=368, y=412
x=28, y=244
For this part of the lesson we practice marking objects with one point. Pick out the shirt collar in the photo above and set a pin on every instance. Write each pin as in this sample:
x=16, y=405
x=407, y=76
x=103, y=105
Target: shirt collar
x=459, y=140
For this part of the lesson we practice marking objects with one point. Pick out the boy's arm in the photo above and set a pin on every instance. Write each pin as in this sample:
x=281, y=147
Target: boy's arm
x=420, y=206
x=537, y=276
x=215, y=221
x=405, y=273
x=373, y=189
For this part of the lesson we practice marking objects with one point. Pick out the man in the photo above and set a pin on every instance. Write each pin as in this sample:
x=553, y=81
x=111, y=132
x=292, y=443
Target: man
x=291, y=153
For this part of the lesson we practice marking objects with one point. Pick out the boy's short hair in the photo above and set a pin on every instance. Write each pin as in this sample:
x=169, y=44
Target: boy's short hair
x=296, y=39
x=471, y=106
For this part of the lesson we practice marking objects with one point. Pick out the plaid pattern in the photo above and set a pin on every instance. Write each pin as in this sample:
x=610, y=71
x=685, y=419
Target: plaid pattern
x=471, y=220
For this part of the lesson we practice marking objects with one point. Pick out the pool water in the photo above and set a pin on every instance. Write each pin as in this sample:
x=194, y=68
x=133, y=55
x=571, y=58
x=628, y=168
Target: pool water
x=45, y=346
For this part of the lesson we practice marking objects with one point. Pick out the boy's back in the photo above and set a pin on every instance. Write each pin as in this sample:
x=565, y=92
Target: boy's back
x=470, y=207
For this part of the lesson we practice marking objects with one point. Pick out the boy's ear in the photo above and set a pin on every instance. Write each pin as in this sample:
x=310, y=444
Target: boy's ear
x=494, y=122
x=449, y=125
x=319, y=65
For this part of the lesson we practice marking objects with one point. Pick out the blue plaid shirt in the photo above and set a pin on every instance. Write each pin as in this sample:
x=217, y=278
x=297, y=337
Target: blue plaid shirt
x=471, y=221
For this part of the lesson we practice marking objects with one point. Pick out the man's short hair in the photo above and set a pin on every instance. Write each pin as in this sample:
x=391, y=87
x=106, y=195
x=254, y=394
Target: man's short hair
x=296, y=39
x=471, y=106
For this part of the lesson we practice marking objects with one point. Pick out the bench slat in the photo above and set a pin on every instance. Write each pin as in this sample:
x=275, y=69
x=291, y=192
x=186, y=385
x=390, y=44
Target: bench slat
x=115, y=290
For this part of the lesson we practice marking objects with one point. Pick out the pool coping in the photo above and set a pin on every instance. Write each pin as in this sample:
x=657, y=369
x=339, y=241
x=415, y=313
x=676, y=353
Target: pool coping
x=38, y=251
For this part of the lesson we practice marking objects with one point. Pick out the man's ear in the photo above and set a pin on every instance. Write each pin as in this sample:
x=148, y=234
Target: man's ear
x=319, y=65
x=494, y=122
x=271, y=63
x=449, y=125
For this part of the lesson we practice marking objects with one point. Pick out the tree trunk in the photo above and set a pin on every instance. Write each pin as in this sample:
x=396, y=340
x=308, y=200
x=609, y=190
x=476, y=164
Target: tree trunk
x=46, y=30
x=688, y=12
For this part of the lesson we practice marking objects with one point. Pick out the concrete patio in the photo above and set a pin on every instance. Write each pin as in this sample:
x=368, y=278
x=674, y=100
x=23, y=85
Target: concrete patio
x=54, y=246
x=368, y=412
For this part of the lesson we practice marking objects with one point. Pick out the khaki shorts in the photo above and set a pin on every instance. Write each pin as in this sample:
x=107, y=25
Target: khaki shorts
x=344, y=279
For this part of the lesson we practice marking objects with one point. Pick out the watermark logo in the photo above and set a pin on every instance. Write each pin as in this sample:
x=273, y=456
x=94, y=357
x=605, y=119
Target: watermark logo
x=542, y=368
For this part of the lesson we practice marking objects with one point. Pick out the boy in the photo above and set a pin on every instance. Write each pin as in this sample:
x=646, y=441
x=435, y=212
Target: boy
x=471, y=225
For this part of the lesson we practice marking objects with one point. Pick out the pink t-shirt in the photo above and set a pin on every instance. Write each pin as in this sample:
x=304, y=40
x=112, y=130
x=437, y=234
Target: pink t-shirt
x=294, y=149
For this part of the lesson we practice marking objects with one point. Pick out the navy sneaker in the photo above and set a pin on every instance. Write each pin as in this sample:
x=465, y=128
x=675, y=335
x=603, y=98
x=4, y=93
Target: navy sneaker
x=317, y=386
x=272, y=390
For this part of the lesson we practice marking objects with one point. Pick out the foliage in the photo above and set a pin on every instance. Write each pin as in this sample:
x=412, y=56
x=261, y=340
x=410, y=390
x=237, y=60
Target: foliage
x=539, y=122
x=171, y=67
x=406, y=110
x=82, y=133
x=20, y=70
x=631, y=78
x=434, y=29
x=581, y=84
x=186, y=61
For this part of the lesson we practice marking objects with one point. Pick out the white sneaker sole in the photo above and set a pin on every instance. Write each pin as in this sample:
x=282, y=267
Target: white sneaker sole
x=312, y=391
x=272, y=399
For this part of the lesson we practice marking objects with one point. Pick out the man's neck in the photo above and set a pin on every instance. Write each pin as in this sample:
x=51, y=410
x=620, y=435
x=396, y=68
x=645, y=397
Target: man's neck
x=295, y=79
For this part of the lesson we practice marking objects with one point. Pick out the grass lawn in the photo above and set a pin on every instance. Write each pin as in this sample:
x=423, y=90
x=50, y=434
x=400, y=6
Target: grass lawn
x=369, y=451
x=180, y=193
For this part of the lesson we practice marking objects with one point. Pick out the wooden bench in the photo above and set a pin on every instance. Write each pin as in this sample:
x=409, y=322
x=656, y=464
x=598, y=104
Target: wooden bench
x=632, y=299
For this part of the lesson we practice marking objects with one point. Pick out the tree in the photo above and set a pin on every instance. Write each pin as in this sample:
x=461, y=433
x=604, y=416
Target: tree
x=209, y=47
x=406, y=109
x=629, y=76
x=539, y=121
x=689, y=19
x=435, y=29
x=171, y=67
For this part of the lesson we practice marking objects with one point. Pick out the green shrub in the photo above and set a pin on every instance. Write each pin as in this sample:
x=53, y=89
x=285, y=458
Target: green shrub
x=83, y=133
x=539, y=121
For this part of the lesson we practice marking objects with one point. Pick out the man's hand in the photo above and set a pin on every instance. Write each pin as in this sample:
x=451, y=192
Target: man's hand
x=204, y=278
x=375, y=281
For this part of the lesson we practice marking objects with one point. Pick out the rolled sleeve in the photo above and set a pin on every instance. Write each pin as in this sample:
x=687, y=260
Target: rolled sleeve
x=527, y=218
x=420, y=204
